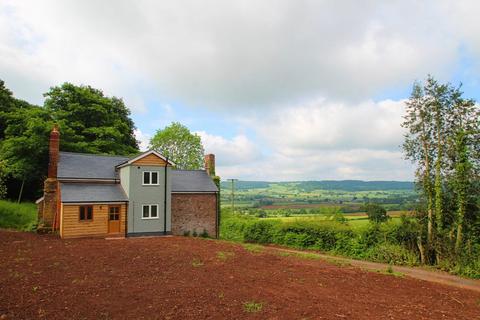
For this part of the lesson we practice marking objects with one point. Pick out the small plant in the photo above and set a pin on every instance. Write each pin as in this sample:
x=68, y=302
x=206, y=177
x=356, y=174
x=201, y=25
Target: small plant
x=204, y=234
x=390, y=269
x=224, y=256
x=194, y=233
x=252, y=306
x=186, y=233
x=197, y=262
x=221, y=295
x=254, y=248
x=35, y=288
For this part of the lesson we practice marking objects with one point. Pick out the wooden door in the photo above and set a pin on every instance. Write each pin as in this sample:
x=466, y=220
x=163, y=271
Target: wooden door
x=113, y=219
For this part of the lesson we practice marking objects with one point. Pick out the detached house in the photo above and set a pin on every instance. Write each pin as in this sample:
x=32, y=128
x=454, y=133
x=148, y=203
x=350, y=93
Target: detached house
x=94, y=195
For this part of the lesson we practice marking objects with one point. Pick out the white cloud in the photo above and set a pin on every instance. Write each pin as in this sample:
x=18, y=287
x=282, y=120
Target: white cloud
x=230, y=54
x=143, y=139
x=229, y=152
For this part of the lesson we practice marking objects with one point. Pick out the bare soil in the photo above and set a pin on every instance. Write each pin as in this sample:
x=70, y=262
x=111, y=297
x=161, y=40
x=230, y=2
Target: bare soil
x=43, y=277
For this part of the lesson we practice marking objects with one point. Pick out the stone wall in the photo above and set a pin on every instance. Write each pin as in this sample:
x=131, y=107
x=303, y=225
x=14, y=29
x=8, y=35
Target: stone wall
x=194, y=212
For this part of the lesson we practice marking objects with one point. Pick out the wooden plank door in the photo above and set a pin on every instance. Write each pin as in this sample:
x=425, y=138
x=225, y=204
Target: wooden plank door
x=114, y=219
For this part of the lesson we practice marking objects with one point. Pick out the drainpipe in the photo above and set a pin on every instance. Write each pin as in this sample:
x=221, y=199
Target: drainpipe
x=165, y=201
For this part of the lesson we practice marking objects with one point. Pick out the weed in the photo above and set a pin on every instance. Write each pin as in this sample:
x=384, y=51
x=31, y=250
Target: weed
x=254, y=248
x=197, y=262
x=252, y=306
x=225, y=255
x=221, y=295
x=186, y=233
x=194, y=233
x=284, y=254
x=35, y=288
x=204, y=234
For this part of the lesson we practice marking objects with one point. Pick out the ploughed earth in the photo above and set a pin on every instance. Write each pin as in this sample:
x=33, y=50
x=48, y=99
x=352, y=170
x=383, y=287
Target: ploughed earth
x=44, y=277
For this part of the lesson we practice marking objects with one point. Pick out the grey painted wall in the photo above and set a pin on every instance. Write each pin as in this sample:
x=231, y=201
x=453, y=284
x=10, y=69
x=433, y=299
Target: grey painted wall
x=140, y=194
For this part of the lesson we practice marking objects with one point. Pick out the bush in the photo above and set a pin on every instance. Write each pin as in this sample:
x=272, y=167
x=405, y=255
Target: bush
x=391, y=253
x=20, y=216
x=262, y=231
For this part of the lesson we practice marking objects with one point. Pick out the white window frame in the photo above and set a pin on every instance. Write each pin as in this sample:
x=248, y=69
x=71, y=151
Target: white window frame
x=150, y=175
x=150, y=211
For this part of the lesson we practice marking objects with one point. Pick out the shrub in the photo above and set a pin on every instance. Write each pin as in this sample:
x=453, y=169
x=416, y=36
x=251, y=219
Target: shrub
x=262, y=231
x=21, y=216
x=376, y=212
x=391, y=253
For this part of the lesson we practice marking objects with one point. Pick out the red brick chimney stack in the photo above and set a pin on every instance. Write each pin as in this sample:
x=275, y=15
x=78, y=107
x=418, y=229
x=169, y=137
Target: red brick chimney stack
x=210, y=164
x=53, y=150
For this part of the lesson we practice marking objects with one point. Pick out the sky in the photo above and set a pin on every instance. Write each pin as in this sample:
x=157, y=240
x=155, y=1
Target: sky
x=277, y=89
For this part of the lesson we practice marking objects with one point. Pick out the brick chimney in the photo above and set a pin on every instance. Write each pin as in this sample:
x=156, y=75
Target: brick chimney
x=210, y=164
x=53, y=151
x=48, y=218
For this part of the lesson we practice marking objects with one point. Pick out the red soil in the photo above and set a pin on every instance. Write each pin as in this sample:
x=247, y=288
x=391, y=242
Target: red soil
x=185, y=278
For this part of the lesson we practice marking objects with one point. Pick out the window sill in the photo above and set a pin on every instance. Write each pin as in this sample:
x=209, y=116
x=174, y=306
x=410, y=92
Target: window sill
x=156, y=218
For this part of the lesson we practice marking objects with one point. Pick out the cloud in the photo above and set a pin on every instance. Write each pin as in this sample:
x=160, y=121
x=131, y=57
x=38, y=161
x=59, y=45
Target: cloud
x=230, y=152
x=143, y=139
x=219, y=54
x=318, y=140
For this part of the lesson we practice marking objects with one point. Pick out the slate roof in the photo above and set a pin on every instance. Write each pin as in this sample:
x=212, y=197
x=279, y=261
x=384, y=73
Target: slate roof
x=92, y=192
x=91, y=166
x=192, y=181
x=88, y=166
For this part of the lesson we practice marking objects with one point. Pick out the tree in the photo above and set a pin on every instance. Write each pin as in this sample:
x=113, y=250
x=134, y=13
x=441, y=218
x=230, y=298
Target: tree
x=3, y=186
x=91, y=122
x=376, y=213
x=181, y=146
x=442, y=140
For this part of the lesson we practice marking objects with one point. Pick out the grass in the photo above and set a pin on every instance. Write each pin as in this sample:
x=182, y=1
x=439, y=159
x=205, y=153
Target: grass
x=197, y=263
x=253, y=248
x=252, y=306
x=225, y=255
x=20, y=216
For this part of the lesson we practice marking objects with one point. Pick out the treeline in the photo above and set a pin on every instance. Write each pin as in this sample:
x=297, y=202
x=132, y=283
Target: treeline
x=307, y=186
x=88, y=120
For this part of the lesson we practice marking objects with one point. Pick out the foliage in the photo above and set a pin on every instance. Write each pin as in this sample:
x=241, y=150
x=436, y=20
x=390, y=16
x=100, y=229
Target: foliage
x=20, y=216
x=252, y=306
x=442, y=140
x=88, y=120
x=376, y=213
x=3, y=186
x=181, y=146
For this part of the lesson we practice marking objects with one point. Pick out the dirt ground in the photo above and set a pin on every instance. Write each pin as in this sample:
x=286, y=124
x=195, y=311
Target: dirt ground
x=185, y=278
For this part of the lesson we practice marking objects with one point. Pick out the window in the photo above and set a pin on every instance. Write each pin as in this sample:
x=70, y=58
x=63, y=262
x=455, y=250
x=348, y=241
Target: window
x=150, y=211
x=113, y=213
x=150, y=178
x=86, y=213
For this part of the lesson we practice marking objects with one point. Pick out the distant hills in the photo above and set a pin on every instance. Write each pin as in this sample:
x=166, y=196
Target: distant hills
x=345, y=185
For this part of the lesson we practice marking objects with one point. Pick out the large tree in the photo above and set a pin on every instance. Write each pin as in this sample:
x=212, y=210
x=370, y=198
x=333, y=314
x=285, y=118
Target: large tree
x=91, y=122
x=181, y=146
x=442, y=140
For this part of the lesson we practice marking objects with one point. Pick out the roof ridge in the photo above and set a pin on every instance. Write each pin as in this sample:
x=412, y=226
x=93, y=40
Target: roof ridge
x=96, y=154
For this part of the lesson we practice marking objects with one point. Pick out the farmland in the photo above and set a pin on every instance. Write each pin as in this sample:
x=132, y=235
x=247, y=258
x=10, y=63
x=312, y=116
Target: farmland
x=44, y=277
x=348, y=196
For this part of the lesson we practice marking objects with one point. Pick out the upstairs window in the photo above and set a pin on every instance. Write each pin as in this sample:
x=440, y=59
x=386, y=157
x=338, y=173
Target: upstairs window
x=86, y=213
x=150, y=178
x=150, y=211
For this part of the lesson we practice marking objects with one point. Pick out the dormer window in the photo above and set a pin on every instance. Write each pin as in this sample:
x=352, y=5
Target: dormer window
x=150, y=178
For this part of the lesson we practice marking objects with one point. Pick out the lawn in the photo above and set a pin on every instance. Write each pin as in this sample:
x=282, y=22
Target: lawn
x=21, y=216
x=44, y=277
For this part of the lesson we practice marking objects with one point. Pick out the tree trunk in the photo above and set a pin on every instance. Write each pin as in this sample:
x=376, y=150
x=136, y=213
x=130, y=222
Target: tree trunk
x=421, y=249
x=21, y=191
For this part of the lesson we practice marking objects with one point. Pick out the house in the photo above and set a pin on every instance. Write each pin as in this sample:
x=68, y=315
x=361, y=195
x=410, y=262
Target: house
x=89, y=195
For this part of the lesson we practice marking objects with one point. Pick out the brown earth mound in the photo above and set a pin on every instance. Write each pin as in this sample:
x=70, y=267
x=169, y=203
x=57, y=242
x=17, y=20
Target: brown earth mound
x=186, y=278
